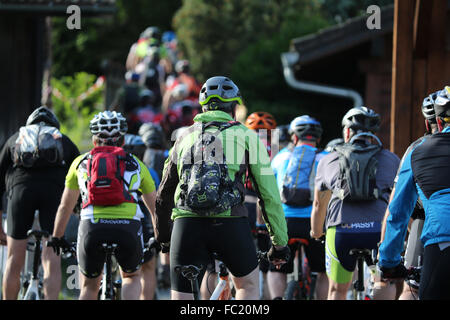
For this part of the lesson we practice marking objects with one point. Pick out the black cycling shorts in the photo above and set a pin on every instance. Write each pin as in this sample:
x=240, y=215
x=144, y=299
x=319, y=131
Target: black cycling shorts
x=314, y=251
x=25, y=199
x=435, y=275
x=127, y=234
x=195, y=240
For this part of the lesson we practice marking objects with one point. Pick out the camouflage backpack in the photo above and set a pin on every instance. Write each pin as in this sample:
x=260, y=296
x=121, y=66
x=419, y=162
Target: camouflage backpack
x=206, y=187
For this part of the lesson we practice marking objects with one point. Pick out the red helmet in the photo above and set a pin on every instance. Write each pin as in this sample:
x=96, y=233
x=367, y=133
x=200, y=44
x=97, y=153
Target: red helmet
x=260, y=120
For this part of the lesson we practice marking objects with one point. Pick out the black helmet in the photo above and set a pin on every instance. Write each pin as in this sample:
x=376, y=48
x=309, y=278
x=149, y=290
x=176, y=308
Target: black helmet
x=305, y=127
x=442, y=105
x=152, y=135
x=43, y=114
x=219, y=93
x=428, y=107
x=362, y=119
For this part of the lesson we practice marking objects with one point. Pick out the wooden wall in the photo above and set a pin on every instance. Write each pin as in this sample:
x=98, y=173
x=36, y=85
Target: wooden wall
x=420, y=65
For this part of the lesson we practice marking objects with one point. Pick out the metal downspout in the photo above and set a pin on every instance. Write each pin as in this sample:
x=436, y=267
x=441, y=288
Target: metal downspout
x=289, y=59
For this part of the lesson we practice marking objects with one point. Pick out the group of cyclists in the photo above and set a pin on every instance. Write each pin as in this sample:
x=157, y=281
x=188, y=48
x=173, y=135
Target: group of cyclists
x=225, y=187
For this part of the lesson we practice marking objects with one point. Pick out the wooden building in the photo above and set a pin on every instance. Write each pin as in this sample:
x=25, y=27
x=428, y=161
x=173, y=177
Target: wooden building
x=22, y=53
x=354, y=57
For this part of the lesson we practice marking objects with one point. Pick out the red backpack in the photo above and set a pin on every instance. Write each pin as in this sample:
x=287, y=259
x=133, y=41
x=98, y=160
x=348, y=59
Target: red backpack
x=105, y=171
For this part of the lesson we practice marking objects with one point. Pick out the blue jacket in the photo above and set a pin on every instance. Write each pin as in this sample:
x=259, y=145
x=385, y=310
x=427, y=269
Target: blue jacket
x=424, y=173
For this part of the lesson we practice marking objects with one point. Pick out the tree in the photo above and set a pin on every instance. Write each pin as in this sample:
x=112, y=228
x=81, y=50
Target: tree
x=107, y=37
x=75, y=101
x=341, y=10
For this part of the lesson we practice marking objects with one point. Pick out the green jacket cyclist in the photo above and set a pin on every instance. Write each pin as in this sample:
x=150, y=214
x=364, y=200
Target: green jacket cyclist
x=206, y=204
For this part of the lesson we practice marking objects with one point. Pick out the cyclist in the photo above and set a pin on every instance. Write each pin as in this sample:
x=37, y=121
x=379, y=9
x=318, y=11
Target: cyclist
x=414, y=247
x=294, y=169
x=217, y=222
x=423, y=175
x=262, y=123
x=348, y=223
x=34, y=185
x=135, y=145
x=100, y=222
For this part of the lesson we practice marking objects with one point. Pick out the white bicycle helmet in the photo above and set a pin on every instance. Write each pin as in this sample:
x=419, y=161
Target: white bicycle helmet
x=108, y=125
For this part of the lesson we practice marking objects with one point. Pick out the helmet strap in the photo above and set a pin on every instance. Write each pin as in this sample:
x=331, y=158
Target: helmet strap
x=427, y=126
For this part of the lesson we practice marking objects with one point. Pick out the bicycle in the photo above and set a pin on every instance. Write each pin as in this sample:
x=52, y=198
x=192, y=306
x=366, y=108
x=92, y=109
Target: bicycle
x=32, y=283
x=109, y=289
x=303, y=286
x=223, y=289
x=367, y=256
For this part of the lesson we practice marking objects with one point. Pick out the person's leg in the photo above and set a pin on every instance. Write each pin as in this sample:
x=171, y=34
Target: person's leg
x=20, y=217
x=209, y=280
x=148, y=280
x=238, y=253
x=338, y=291
x=247, y=287
x=276, y=282
x=188, y=246
x=435, y=278
x=131, y=285
x=89, y=287
x=90, y=261
x=322, y=285
x=14, y=265
x=339, y=278
x=49, y=197
x=51, y=264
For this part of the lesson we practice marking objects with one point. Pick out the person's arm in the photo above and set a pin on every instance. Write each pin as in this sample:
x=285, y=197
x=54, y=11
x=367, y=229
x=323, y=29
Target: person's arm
x=404, y=198
x=165, y=199
x=386, y=215
x=6, y=162
x=149, y=201
x=319, y=212
x=68, y=201
x=265, y=185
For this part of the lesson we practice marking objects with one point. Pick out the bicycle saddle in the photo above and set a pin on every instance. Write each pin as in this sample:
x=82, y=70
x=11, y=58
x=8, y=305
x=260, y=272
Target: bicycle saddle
x=363, y=253
x=38, y=234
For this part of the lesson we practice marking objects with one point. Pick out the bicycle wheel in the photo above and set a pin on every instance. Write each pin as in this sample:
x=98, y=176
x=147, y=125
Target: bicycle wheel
x=294, y=291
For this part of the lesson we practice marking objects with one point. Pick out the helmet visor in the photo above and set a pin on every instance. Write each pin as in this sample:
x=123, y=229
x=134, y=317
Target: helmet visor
x=206, y=101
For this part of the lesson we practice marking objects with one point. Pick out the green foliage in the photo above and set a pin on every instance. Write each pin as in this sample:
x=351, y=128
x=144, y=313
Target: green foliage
x=72, y=110
x=258, y=70
x=341, y=10
x=107, y=37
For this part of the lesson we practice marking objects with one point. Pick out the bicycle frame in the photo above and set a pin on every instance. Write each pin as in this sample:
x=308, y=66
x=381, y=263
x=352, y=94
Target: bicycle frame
x=223, y=288
x=306, y=280
x=362, y=255
x=33, y=291
x=107, y=287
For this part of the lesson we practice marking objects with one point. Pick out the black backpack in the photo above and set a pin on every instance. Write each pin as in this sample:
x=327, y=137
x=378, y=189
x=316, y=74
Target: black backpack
x=38, y=145
x=358, y=168
x=206, y=187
